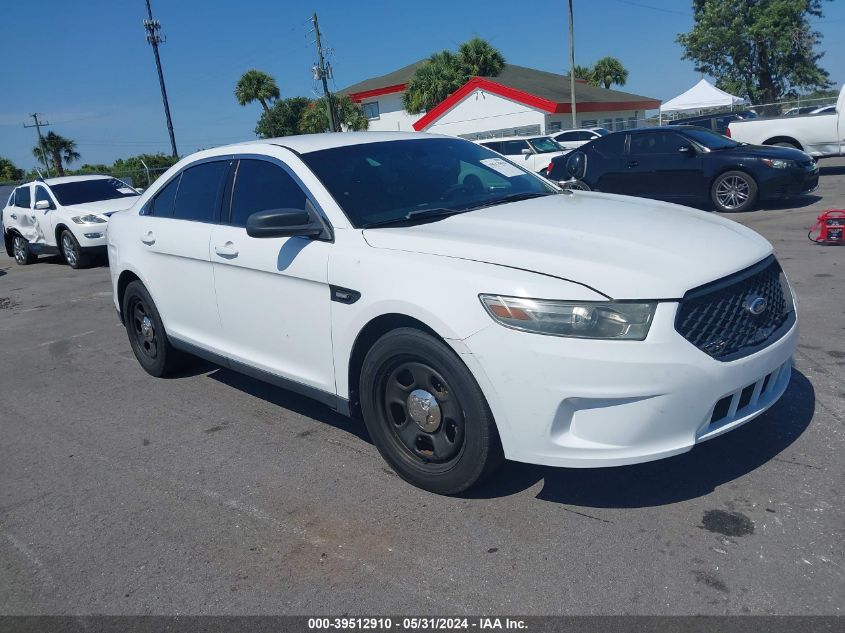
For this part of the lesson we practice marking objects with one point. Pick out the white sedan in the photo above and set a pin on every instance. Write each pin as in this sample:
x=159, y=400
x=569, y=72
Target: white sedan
x=573, y=139
x=464, y=307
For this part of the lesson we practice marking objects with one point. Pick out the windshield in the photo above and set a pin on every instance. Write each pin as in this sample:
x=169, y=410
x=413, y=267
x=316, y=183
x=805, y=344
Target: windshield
x=544, y=145
x=709, y=139
x=377, y=183
x=82, y=191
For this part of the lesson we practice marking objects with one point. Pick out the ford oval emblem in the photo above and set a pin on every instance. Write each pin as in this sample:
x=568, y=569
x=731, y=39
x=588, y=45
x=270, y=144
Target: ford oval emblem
x=755, y=304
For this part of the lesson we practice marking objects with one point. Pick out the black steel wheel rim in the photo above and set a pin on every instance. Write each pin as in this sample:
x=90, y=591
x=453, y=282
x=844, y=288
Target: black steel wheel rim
x=143, y=329
x=435, y=440
x=19, y=247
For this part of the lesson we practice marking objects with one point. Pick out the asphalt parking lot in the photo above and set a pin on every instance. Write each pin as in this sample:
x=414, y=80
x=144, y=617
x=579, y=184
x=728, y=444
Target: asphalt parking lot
x=212, y=493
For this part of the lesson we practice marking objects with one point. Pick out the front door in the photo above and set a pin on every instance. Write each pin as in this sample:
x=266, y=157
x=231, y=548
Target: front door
x=657, y=167
x=273, y=293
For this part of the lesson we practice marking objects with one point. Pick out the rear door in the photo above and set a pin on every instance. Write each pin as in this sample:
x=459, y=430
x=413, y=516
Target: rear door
x=20, y=215
x=273, y=293
x=175, y=233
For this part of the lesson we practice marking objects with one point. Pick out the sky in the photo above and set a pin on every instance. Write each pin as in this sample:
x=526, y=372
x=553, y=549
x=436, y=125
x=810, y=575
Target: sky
x=86, y=65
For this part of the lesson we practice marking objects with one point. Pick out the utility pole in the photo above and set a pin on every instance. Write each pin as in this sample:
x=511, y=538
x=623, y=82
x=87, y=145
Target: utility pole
x=321, y=72
x=37, y=125
x=153, y=27
x=572, y=66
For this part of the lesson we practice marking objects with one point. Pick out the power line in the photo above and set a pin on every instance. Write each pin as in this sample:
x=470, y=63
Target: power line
x=153, y=27
x=646, y=6
x=37, y=125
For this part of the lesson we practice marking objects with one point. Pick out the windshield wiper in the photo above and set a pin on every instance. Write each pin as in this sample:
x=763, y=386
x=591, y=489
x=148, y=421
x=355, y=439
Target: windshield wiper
x=414, y=217
x=514, y=197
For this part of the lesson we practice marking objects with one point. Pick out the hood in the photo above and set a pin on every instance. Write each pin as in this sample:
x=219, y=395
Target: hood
x=103, y=207
x=625, y=248
x=769, y=151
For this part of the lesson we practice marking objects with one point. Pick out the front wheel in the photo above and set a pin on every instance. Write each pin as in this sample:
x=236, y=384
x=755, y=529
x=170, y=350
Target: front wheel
x=23, y=254
x=575, y=185
x=70, y=249
x=734, y=191
x=426, y=414
x=146, y=332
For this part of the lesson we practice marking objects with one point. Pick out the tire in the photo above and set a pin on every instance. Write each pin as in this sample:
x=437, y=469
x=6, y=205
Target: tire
x=146, y=333
x=71, y=251
x=576, y=185
x=445, y=447
x=734, y=191
x=22, y=253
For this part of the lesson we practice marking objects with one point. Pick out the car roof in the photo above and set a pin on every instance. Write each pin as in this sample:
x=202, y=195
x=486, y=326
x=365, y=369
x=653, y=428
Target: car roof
x=578, y=129
x=305, y=143
x=524, y=137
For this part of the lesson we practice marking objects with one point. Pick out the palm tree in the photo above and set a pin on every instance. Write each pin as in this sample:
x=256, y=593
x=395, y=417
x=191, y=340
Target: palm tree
x=608, y=71
x=255, y=85
x=58, y=149
x=315, y=118
x=433, y=81
x=479, y=59
x=584, y=72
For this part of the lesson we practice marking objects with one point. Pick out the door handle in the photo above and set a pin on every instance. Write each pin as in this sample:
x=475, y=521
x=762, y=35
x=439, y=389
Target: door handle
x=227, y=250
x=148, y=238
x=632, y=163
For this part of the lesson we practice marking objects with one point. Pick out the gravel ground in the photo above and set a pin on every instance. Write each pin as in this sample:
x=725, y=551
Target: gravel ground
x=211, y=493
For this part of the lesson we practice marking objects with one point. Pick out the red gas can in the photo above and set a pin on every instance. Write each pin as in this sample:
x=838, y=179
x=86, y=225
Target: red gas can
x=829, y=228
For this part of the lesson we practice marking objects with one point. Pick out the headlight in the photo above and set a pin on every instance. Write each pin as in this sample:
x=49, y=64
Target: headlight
x=576, y=319
x=778, y=163
x=89, y=219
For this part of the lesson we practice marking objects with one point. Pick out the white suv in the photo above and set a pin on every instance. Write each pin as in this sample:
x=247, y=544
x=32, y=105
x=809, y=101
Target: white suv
x=535, y=153
x=466, y=308
x=66, y=215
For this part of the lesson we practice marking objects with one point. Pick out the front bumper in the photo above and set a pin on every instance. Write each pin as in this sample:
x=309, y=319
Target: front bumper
x=586, y=403
x=789, y=183
x=91, y=237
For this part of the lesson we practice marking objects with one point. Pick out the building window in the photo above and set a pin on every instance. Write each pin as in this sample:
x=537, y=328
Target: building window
x=589, y=123
x=632, y=122
x=370, y=110
x=554, y=126
x=607, y=124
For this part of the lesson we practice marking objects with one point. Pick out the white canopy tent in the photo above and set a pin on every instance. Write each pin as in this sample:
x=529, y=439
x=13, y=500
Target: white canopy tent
x=701, y=95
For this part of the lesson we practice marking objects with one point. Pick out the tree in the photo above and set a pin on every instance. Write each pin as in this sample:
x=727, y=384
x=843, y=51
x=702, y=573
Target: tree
x=479, y=59
x=8, y=171
x=283, y=118
x=58, y=149
x=315, y=115
x=584, y=72
x=255, y=85
x=445, y=72
x=761, y=49
x=134, y=167
x=608, y=71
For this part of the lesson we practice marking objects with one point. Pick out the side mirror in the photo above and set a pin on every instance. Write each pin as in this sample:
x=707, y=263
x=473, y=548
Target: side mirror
x=527, y=151
x=43, y=205
x=283, y=223
x=686, y=149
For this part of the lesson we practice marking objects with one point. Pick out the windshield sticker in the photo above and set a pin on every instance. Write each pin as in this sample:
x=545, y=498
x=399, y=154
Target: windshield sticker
x=502, y=166
x=126, y=190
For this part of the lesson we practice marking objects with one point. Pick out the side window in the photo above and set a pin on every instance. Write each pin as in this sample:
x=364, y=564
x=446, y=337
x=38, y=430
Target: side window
x=41, y=194
x=199, y=191
x=567, y=136
x=496, y=146
x=22, y=197
x=514, y=147
x=162, y=203
x=612, y=145
x=261, y=185
x=585, y=136
x=370, y=110
x=647, y=144
x=673, y=142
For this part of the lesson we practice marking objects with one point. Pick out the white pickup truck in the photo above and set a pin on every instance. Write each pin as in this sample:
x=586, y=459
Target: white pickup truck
x=820, y=135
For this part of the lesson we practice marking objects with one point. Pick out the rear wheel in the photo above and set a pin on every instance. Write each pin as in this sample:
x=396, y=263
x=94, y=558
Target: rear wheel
x=71, y=251
x=734, y=191
x=426, y=414
x=146, y=332
x=23, y=254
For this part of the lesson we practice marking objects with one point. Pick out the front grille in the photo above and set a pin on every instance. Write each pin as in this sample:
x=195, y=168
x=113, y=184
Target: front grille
x=807, y=164
x=718, y=318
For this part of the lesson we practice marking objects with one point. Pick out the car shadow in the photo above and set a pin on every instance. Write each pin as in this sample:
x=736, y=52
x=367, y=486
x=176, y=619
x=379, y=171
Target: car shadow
x=832, y=170
x=680, y=478
x=798, y=202
x=289, y=400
